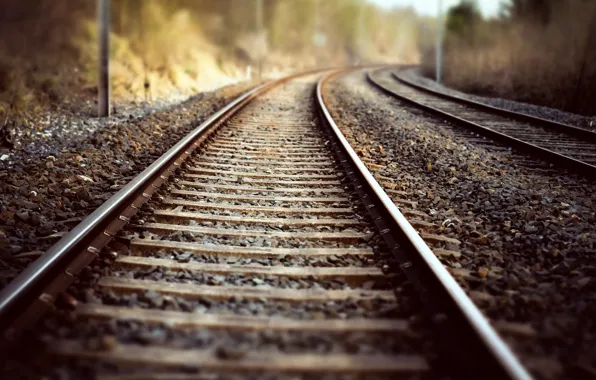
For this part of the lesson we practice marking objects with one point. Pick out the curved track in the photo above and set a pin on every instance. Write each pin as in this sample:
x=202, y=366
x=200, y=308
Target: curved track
x=562, y=145
x=259, y=245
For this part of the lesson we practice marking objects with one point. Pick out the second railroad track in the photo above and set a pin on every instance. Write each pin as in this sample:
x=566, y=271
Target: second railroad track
x=559, y=144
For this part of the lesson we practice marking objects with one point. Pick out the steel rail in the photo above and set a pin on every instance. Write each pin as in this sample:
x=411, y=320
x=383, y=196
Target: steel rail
x=506, y=363
x=546, y=154
x=549, y=124
x=29, y=285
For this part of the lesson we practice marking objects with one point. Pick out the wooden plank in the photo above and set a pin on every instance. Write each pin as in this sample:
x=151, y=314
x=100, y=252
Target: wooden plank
x=266, y=143
x=270, y=166
x=273, y=136
x=265, y=134
x=465, y=274
x=408, y=212
x=175, y=215
x=263, y=175
x=138, y=245
x=294, y=129
x=249, y=138
x=383, y=178
x=523, y=330
x=268, y=189
x=179, y=319
x=421, y=224
x=263, y=153
x=249, y=361
x=275, y=148
x=355, y=275
x=405, y=202
x=260, y=116
x=231, y=232
x=236, y=132
x=264, y=181
x=397, y=192
x=269, y=126
x=444, y=253
x=273, y=161
x=237, y=154
x=241, y=128
x=276, y=120
x=193, y=291
x=439, y=239
x=262, y=209
x=239, y=134
x=271, y=149
x=242, y=197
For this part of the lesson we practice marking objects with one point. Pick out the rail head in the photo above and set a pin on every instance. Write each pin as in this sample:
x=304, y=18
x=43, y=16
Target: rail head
x=506, y=363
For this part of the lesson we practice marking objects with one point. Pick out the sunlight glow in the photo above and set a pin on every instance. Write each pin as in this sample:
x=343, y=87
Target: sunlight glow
x=489, y=8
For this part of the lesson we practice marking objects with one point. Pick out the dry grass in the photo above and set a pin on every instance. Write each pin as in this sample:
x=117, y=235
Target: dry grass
x=48, y=57
x=530, y=63
x=38, y=62
x=159, y=48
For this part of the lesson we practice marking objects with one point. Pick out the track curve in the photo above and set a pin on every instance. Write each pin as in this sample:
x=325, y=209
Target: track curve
x=562, y=145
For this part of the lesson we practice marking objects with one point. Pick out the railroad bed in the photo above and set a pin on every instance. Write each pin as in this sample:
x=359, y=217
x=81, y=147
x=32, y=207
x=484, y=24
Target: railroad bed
x=263, y=256
x=259, y=224
x=559, y=144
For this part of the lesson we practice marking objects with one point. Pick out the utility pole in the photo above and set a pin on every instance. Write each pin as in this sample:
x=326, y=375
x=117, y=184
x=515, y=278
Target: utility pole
x=439, y=47
x=361, y=33
x=315, y=30
x=259, y=19
x=103, y=85
x=590, y=38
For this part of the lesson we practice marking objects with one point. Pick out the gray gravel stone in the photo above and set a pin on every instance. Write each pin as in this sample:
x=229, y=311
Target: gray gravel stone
x=522, y=248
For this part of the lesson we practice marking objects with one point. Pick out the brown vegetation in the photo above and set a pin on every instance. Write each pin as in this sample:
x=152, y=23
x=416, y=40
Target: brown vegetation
x=48, y=48
x=541, y=52
x=37, y=56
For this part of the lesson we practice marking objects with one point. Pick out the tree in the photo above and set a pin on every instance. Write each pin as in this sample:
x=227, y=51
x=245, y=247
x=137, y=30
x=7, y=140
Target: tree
x=533, y=11
x=462, y=21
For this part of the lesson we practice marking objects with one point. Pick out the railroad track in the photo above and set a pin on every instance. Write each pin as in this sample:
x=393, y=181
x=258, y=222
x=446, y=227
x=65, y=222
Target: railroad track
x=559, y=144
x=258, y=246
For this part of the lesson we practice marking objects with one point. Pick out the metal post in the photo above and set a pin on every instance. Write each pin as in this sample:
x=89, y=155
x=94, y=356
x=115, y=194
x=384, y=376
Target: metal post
x=360, y=42
x=103, y=85
x=315, y=31
x=259, y=15
x=589, y=42
x=439, y=47
x=259, y=22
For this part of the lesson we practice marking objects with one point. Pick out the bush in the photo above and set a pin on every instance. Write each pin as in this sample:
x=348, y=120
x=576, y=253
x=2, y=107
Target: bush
x=535, y=58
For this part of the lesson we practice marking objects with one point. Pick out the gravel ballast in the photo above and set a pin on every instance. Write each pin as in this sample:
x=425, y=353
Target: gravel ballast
x=45, y=195
x=527, y=236
x=270, y=292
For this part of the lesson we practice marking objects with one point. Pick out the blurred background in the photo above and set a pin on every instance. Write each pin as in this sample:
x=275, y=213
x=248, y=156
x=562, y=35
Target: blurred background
x=539, y=51
x=535, y=51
